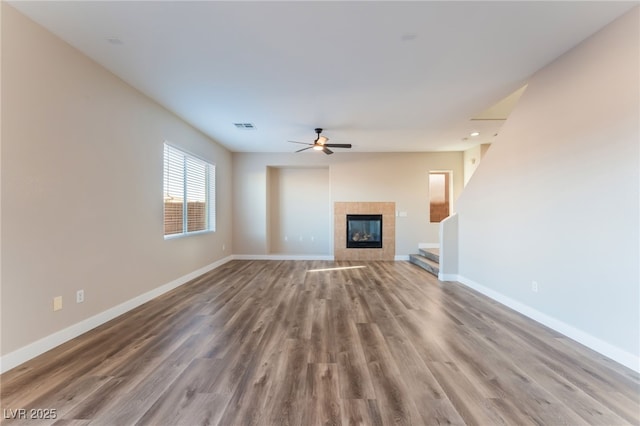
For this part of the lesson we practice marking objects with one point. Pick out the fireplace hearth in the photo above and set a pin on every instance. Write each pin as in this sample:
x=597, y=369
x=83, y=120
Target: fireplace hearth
x=364, y=231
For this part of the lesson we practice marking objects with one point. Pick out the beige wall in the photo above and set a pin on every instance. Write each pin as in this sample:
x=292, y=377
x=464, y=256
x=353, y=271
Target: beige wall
x=402, y=178
x=556, y=199
x=82, y=187
x=299, y=214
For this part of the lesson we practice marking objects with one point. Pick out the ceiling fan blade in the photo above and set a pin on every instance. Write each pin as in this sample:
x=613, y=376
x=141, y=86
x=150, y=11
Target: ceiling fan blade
x=338, y=145
x=320, y=144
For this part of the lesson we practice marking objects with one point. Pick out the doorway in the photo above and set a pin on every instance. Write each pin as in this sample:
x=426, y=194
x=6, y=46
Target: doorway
x=439, y=195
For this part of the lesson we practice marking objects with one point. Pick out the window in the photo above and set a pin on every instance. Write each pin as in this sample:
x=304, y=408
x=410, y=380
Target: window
x=189, y=193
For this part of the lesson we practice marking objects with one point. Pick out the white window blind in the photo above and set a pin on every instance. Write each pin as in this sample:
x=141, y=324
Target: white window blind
x=189, y=193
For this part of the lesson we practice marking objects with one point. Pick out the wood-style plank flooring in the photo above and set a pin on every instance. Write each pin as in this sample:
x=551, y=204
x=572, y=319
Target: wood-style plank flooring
x=274, y=343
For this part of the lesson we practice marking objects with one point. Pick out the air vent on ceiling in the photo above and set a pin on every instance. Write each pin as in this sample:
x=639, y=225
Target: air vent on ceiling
x=244, y=126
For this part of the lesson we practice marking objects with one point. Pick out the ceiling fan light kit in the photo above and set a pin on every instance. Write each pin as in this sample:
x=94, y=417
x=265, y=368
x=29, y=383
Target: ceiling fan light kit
x=320, y=144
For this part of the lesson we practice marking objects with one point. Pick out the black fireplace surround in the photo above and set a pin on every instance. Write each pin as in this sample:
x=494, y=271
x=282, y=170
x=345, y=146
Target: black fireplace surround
x=364, y=231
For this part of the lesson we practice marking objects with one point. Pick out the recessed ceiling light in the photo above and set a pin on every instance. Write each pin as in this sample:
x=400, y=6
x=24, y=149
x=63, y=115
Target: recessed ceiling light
x=409, y=36
x=475, y=134
x=244, y=126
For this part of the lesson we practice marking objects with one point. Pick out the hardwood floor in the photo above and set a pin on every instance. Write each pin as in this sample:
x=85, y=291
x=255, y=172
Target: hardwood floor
x=274, y=343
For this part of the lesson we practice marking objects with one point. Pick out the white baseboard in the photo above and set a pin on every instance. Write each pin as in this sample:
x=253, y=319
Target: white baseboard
x=32, y=350
x=282, y=257
x=399, y=257
x=610, y=351
x=447, y=277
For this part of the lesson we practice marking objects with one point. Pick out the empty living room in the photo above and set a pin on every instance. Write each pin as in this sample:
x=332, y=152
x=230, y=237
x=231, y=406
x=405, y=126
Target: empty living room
x=319, y=213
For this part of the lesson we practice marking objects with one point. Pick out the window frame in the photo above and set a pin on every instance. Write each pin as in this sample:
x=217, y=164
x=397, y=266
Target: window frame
x=209, y=186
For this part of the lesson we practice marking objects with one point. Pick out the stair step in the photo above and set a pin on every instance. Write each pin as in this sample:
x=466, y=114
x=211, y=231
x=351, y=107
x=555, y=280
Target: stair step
x=425, y=263
x=431, y=253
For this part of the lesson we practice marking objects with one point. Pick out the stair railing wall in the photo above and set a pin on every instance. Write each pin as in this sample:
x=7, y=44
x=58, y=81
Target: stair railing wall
x=449, y=248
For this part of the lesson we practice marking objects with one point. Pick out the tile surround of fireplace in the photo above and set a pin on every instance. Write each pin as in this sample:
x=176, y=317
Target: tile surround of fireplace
x=386, y=209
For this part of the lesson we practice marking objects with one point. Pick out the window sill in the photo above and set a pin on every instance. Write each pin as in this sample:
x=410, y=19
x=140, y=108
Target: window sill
x=187, y=234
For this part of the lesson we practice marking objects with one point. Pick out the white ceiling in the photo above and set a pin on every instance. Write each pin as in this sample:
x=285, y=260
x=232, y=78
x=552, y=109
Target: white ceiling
x=384, y=76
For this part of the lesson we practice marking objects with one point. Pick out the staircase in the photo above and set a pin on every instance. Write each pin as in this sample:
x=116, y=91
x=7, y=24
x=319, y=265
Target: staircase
x=428, y=259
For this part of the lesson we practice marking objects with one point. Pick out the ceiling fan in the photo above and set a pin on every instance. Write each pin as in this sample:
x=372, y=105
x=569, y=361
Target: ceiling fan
x=320, y=144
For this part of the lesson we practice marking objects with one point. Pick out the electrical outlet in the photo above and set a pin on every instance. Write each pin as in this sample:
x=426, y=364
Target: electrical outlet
x=57, y=303
x=79, y=296
x=534, y=286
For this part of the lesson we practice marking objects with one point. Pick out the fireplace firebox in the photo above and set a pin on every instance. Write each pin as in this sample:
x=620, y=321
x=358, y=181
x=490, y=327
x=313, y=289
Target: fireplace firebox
x=364, y=231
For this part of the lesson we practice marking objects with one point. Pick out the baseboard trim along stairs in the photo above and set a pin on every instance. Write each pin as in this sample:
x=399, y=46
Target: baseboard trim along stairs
x=428, y=259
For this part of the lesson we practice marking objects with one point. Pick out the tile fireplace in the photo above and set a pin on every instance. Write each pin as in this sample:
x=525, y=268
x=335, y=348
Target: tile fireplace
x=364, y=231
